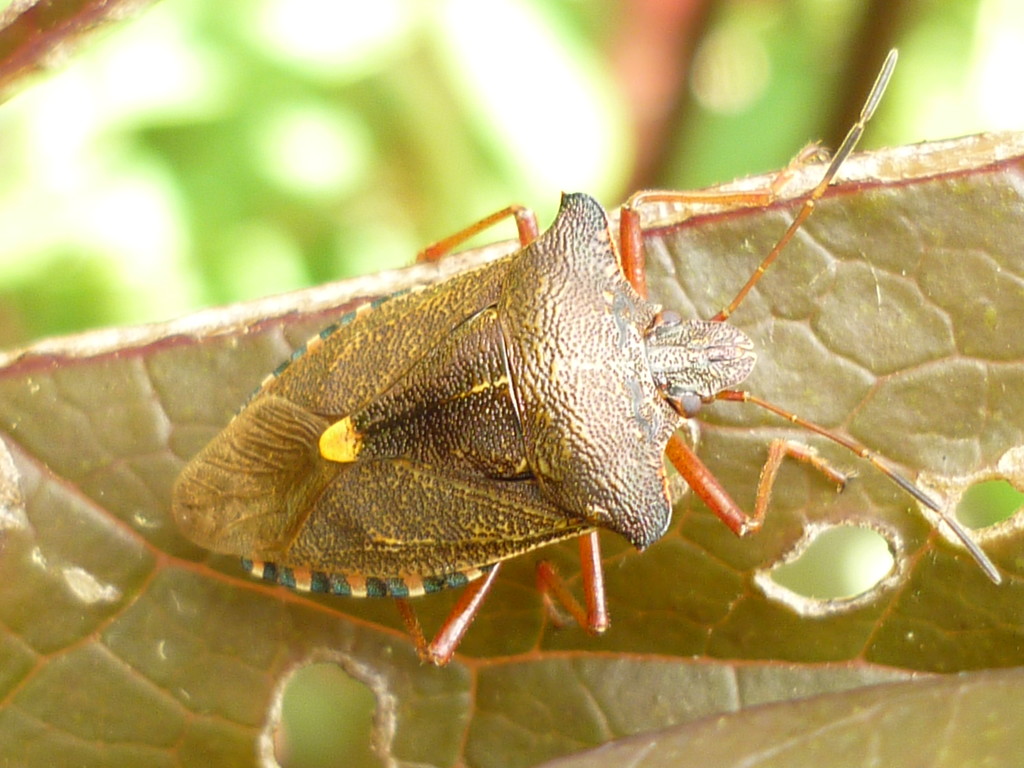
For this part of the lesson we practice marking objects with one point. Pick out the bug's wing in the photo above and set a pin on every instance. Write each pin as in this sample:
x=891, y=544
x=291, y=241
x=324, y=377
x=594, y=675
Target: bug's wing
x=380, y=342
x=381, y=518
x=249, y=488
x=261, y=490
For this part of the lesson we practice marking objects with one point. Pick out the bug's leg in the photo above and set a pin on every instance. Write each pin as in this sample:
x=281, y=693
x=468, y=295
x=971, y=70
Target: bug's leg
x=413, y=627
x=559, y=603
x=557, y=595
x=630, y=236
x=877, y=461
x=710, y=491
x=440, y=650
x=593, y=583
x=707, y=488
x=779, y=449
x=631, y=231
x=631, y=248
x=703, y=483
x=526, y=225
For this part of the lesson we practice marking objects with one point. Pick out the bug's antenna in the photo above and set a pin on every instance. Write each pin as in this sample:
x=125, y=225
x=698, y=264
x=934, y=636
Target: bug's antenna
x=848, y=145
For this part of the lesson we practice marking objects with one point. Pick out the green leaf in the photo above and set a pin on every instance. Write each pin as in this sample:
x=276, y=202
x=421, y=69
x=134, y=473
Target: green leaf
x=891, y=318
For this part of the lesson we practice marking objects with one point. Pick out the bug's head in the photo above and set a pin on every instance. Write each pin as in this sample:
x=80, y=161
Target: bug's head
x=692, y=360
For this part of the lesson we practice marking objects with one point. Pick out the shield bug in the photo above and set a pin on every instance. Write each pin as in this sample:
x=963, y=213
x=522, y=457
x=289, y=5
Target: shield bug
x=425, y=438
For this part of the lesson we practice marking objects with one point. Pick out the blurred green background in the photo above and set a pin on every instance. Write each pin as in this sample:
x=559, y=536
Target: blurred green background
x=205, y=153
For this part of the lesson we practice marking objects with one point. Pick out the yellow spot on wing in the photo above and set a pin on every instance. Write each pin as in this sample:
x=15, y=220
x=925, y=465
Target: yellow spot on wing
x=340, y=442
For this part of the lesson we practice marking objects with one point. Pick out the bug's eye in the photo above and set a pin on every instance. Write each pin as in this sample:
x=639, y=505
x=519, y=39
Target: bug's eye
x=685, y=402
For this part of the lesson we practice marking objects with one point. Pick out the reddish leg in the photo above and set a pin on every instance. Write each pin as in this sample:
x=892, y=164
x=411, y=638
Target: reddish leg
x=631, y=232
x=703, y=483
x=526, y=224
x=778, y=450
x=706, y=486
x=863, y=452
x=631, y=248
x=557, y=595
x=631, y=235
x=440, y=650
x=594, y=618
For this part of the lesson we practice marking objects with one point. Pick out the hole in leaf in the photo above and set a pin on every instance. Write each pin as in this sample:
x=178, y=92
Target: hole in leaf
x=987, y=503
x=841, y=562
x=326, y=720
